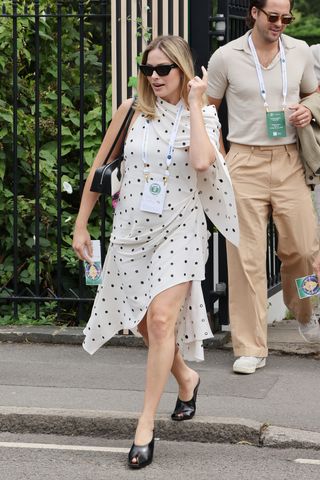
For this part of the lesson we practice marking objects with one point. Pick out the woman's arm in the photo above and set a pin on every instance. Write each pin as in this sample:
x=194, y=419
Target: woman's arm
x=217, y=102
x=201, y=151
x=81, y=238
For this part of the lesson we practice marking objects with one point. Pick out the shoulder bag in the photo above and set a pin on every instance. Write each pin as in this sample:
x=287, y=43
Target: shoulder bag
x=107, y=178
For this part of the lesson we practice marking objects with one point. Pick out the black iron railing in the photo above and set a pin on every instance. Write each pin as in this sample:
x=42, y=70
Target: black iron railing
x=34, y=29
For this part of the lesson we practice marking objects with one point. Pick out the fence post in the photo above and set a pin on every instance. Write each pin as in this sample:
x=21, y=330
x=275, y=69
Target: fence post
x=37, y=154
x=223, y=9
x=223, y=282
x=81, y=129
x=199, y=13
x=59, y=150
x=15, y=94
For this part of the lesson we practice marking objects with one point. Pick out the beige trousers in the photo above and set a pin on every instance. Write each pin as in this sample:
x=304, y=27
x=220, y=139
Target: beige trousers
x=267, y=180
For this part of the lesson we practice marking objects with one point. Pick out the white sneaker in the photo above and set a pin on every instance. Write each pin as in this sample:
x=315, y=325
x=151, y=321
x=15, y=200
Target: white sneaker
x=310, y=331
x=248, y=364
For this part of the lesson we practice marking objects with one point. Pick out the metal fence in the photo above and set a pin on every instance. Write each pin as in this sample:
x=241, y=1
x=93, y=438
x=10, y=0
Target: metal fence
x=134, y=22
x=37, y=266
x=49, y=25
x=28, y=276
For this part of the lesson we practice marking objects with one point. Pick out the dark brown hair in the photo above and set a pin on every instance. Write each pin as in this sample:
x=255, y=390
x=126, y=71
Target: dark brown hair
x=259, y=4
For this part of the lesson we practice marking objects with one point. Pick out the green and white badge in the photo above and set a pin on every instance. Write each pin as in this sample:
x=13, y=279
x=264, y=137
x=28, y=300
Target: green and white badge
x=154, y=194
x=276, y=121
x=276, y=124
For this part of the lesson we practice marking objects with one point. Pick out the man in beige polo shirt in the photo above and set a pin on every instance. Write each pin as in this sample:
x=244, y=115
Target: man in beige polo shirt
x=263, y=75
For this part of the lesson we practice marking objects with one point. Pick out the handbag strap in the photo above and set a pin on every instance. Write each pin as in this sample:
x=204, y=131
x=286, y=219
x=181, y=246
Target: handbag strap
x=122, y=131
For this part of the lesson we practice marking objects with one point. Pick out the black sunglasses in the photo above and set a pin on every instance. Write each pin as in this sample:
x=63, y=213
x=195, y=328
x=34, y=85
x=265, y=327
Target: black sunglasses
x=274, y=17
x=162, y=70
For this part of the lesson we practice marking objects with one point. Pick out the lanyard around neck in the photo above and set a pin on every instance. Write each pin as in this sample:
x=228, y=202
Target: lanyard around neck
x=173, y=136
x=283, y=63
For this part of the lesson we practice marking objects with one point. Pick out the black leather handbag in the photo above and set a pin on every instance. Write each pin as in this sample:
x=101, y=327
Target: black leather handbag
x=107, y=178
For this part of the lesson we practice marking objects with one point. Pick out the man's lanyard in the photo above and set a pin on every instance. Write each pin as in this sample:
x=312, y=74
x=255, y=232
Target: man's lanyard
x=283, y=63
x=173, y=136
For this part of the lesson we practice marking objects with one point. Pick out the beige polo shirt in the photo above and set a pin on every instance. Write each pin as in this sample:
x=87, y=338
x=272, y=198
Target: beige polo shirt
x=232, y=72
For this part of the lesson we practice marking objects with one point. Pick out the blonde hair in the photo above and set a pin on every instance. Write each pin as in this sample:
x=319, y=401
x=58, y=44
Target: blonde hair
x=178, y=52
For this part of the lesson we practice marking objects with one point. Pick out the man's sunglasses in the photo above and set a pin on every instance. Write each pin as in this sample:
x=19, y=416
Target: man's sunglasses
x=274, y=17
x=162, y=70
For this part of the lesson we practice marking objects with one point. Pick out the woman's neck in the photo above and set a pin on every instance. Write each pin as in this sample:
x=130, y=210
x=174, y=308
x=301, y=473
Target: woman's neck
x=174, y=99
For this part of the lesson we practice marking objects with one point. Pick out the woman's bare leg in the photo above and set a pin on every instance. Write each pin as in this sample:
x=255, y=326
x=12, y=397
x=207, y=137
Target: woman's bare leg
x=161, y=319
x=186, y=377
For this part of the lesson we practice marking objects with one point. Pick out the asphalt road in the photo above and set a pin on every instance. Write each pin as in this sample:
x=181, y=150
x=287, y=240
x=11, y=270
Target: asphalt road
x=285, y=393
x=47, y=457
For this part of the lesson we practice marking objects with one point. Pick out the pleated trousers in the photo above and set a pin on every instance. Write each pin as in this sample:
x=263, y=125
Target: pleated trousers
x=268, y=181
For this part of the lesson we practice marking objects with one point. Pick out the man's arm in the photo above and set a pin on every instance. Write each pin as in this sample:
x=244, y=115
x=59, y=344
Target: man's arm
x=215, y=101
x=304, y=95
x=301, y=115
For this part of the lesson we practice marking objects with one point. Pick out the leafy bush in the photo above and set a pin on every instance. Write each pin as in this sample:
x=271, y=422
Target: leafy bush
x=307, y=24
x=48, y=153
x=305, y=28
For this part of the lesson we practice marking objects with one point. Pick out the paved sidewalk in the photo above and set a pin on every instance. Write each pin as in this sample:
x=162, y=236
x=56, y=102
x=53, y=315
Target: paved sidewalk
x=50, y=385
x=283, y=337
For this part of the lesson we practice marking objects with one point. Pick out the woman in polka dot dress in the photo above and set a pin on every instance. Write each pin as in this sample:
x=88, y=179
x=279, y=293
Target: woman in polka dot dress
x=158, y=247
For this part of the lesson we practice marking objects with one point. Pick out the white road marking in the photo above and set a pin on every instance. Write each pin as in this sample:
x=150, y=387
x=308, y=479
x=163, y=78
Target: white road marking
x=308, y=461
x=52, y=446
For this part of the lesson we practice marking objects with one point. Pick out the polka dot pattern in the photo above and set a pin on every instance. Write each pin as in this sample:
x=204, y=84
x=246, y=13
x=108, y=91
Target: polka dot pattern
x=150, y=253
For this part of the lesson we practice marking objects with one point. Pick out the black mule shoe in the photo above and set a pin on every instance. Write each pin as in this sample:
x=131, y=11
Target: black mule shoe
x=186, y=410
x=142, y=453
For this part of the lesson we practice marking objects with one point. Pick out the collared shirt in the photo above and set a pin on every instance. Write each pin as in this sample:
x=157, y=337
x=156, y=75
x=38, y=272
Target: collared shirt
x=232, y=71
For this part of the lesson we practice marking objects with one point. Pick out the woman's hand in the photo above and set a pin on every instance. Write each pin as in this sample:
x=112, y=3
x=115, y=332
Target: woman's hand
x=81, y=244
x=201, y=150
x=197, y=87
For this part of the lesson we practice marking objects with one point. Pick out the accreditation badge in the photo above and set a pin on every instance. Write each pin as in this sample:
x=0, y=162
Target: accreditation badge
x=154, y=194
x=276, y=124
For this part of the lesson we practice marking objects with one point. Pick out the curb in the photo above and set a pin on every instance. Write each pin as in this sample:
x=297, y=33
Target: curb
x=121, y=425
x=289, y=438
x=291, y=348
x=74, y=336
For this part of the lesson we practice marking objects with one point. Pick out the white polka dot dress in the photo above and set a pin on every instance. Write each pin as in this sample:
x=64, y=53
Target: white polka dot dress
x=150, y=252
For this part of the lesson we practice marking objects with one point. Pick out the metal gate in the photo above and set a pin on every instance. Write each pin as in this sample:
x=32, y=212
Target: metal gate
x=133, y=24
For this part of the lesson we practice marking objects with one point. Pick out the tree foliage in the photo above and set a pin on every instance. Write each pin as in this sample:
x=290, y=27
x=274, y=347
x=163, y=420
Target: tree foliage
x=308, y=7
x=307, y=23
